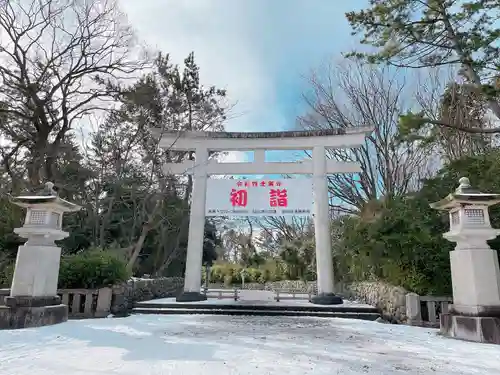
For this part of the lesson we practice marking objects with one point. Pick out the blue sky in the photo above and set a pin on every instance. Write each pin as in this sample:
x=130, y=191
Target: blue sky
x=261, y=51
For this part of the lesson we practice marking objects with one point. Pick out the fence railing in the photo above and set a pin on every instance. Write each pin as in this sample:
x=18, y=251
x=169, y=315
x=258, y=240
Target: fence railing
x=222, y=293
x=82, y=303
x=87, y=303
x=424, y=311
x=283, y=294
x=280, y=294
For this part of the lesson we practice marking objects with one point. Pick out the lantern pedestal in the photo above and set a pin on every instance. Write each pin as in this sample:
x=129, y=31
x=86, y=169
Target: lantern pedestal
x=28, y=312
x=33, y=300
x=475, y=273
x=475, y=313
x=36, y=272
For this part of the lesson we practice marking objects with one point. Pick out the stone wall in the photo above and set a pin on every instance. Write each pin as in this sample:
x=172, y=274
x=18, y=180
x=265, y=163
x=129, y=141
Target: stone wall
x=389, y=299
x=137, y=290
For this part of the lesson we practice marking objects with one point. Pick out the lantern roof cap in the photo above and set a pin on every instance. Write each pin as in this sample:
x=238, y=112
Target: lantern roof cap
x=48, y=195
x=466, y=194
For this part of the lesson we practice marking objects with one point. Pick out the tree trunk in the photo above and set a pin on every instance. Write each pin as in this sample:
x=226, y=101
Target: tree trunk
x=167, y=257
x=138, y=247
x=146, y=228
x=37, y=162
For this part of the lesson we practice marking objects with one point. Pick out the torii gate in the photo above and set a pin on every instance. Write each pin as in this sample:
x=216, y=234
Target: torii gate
x=202, y=143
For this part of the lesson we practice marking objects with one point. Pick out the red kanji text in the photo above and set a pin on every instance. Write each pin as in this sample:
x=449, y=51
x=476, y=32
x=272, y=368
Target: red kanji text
x=239, y=198
x=278, y=198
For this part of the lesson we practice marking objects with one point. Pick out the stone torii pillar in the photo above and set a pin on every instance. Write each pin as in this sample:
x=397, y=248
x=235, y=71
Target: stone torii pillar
x=194, y=257
x=324, y=261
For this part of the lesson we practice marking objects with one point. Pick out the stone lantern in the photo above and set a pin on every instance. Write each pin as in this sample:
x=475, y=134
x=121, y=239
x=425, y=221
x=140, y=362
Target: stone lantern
x=33, y=299
x=475, y=275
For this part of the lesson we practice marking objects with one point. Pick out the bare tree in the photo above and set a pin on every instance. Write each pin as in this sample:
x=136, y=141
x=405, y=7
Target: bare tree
x=282, y=228
x=352, y=95
x=60, y=60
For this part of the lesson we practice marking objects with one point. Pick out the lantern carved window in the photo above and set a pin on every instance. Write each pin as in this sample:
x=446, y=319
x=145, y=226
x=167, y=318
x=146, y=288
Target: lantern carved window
x=37, y=217
x=475, y=216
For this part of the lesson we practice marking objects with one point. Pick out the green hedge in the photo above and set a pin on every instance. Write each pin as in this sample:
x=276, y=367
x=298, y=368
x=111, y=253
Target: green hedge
x=229, y=273
x=86, y=270
x=402, y=245
x=6, y=275
x=91, y=270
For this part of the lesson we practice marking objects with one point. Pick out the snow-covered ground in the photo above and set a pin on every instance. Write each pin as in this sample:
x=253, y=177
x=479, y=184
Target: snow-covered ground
x=190, y=345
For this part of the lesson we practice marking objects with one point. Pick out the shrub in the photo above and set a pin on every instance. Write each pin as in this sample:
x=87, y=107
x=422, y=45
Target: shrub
x=401, y=245
x=264, y=276
x=228, y=280
x=91, y=269
x=230, y=273
x=253, y=275
x=6, y=274
x=216, y=274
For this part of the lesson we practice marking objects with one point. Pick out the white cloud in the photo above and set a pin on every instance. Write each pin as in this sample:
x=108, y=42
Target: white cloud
x=234, y=157
x=219, y=34
x=259, y=50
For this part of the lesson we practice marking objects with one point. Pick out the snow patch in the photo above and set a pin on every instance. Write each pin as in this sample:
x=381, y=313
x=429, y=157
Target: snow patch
x=250, y=345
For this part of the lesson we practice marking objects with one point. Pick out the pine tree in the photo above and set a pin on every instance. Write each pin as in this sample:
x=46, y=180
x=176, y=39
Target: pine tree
x=434, y=33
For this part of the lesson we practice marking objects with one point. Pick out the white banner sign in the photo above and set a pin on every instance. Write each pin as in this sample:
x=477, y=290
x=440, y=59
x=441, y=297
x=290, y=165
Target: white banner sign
x=267, y=197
